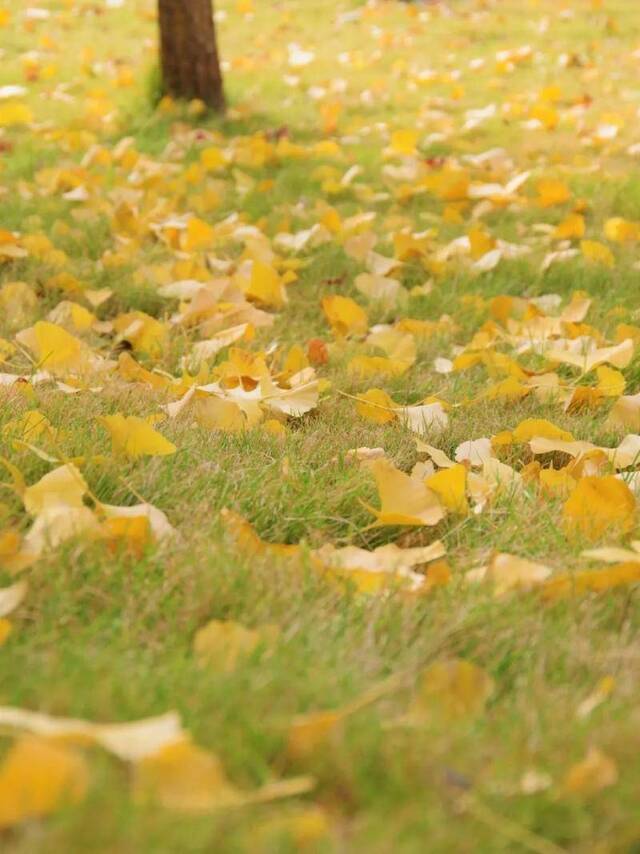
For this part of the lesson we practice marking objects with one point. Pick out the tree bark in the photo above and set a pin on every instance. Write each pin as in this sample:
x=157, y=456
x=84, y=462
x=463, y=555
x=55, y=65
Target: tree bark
x=189, y=51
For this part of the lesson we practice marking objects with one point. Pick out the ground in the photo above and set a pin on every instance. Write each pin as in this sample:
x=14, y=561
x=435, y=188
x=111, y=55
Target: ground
x=480, y=703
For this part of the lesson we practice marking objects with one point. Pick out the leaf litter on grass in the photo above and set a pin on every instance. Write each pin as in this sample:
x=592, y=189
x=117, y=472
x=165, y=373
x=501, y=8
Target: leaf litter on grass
x=449, y=278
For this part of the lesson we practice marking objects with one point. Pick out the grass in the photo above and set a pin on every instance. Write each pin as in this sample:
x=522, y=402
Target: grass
x=107, y=635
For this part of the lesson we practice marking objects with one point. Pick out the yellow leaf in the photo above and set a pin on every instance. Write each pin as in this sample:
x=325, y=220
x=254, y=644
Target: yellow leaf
x=625, y=413
x=621, y=230
x=128, y=741
x=532, y=428
x=62, y=487
x=546, y=115
x=449, y=485
x=135, y=437
x=198, y=235
x=146, y=521
x=11, y=597
x=509, y=572
x=552, y=192
x=370, y=366
x=598, y=504
x=404, y=141
x=376, y=405
x=450, y=690
x=222, y=644
x=595, y=772
x=591, y=581
x=611, y=383
x=37, y=778
x=404, y=500
x=143, y=332
x=183, y=776
x=597, y=253
x=55, y=347
x=212, y=158
x=216, y=413
x=266, y=286
x=618, y=355
x=558, y=484
x=480, y=242
x=384, y=567
x=21, y=299
x=571, y=227
x=308, y=733
x=345, y=316
x=14, y=113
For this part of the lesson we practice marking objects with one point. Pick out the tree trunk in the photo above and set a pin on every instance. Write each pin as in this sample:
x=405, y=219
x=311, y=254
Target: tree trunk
x=189, y=52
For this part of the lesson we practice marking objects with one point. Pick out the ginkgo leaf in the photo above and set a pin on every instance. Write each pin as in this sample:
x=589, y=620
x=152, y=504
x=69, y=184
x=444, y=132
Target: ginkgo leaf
x=15, y=113
x=625, y=413
x=11, y=597
x=597, y=505
x=619, y=355
x=182, y=776
x=450, y=486
x=376, y=405
x=404, y=141
x=602, y=580
x=345, y=316
x=424, y=418
x=476, y=452
x=63, y=487
x=595, y=772
x=597, y=253
x=128, y=741
x=55, y=347
x=218, y=413
x=611, y=383
x=532, y=428
x=223, y=644
x=621, y=230
x=56, y=524
x=373, y=571
x=378, y=288
x=309, y=733
x=404, y=500
x=155, y=520
x=135, y=437
x=509, y=572
x=37, y=778
x=266, y=286
x=450, y=690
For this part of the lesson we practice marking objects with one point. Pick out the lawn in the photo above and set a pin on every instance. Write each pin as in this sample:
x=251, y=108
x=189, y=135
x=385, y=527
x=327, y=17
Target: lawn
x=388, y=302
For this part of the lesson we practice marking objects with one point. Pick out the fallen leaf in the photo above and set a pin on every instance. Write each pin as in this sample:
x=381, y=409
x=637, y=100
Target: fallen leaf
x=404, y=501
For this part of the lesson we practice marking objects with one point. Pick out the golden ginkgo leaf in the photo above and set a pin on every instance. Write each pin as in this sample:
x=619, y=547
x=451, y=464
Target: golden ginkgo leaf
x=182, y=776
x=509, y=572
x=602, y=580
x=597, y=505
x=404, y=500
x=266, y=286
x=449, y=690
x=595, y=772
x=135, y=437
x=223, y=644
x=62, y=487
x=450, y=486
x=39, y=777
x=345, y=316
